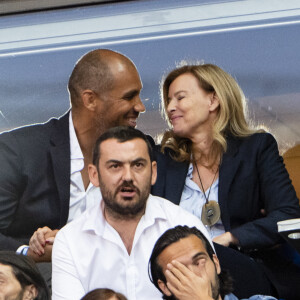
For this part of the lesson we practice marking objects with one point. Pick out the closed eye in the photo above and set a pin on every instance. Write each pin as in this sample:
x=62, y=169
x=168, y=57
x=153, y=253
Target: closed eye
x=200, y=261
x=130, y=95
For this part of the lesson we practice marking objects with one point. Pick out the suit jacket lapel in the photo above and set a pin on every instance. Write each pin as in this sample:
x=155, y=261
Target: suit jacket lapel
x=228, y=169
x=60, y=154
x=175, y=179
x=170, y=177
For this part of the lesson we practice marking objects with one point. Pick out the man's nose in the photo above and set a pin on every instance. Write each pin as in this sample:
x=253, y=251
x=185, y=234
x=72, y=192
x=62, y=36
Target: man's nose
x=127, y=174
x=139, y=106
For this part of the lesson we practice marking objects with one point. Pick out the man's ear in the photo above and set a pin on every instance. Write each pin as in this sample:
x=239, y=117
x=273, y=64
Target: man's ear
x=89, y=99
x=154, y=172
x=93, y=174
x=214, y=102
x=217, y=263
x=163, y=287
x=30, y=292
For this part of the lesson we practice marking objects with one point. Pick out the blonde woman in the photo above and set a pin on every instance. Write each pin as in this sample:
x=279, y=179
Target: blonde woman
x=224, y=172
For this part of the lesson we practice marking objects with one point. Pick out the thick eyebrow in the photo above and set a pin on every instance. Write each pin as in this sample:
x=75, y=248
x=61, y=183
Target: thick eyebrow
x=115, y=161
x=197, y=255
x=139, y=159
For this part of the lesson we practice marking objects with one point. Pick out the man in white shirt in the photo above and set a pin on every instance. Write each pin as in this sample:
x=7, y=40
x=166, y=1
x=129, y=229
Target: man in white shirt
x=109, y=245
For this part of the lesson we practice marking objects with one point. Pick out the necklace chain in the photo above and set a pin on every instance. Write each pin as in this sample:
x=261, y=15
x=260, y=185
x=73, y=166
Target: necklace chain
x=206, y=198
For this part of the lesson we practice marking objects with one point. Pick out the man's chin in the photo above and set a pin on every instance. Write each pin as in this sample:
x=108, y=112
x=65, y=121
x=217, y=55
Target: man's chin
x=132, y=122
x=127, y=208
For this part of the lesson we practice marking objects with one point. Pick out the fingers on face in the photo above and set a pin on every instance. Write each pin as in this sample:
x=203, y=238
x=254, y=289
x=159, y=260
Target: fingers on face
x=177, y=274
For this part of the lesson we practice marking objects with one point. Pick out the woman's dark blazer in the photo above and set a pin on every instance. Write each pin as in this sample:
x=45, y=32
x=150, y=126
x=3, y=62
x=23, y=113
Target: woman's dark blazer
x=252, y=177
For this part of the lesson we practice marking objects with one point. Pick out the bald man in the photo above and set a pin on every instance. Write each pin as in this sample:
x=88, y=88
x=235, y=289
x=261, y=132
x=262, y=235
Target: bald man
x=44, y=181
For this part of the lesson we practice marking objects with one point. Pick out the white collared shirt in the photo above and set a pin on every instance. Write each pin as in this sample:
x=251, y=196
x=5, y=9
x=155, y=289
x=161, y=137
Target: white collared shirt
x=88, y=253
x=80, y=199
x=193, y=199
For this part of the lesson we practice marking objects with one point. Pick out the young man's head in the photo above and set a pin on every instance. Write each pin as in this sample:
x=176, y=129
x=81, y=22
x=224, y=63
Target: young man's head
x=124, y=169
x=20, y=279
x=189, y=247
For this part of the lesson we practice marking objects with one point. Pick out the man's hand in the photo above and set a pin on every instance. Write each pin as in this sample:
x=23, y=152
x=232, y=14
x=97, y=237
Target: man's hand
x=184, y=284
x=40, y=244
x=226, y=239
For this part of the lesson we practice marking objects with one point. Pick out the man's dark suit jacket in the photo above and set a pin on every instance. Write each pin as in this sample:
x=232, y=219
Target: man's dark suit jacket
x=34, y=180
x=252, y=177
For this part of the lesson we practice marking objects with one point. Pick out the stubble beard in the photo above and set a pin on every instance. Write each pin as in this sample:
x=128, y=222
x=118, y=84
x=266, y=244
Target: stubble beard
x=102, y=124
x=124, y=212
x=215, y=287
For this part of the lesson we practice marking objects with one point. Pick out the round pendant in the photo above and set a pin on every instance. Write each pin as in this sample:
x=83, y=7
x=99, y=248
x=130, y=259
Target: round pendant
x=211, y=213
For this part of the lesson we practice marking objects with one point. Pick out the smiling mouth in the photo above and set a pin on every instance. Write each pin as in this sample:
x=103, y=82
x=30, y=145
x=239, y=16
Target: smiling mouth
x=172, y=119
x=132, y=122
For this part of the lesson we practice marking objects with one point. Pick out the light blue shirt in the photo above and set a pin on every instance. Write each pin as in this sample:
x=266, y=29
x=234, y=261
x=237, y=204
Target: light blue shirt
x=193, y=199
x=256, y=297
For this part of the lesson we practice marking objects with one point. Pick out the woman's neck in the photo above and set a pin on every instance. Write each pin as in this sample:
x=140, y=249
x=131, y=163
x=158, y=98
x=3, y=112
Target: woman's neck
x=202, y=144
x=204, y=151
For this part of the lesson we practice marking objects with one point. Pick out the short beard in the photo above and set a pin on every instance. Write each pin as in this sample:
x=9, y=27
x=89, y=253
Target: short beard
x=215, y=289
x=21, y=294
x=118, y=211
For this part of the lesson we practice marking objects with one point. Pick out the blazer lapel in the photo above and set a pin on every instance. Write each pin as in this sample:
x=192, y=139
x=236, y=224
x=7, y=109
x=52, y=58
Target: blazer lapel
x=228, y=169
x=175, y=179
x=60, y=154
x=170, y=177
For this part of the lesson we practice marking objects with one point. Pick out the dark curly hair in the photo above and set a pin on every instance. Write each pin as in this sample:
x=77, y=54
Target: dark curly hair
x=171, y=236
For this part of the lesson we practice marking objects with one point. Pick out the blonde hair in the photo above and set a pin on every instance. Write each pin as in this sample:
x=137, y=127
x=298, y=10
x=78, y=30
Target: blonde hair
x=231, y=114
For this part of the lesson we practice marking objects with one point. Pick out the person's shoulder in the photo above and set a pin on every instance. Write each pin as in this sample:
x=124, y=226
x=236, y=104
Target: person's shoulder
x=255, y=297
x=262, y=136
x=175, y=213
x=33, y=134
x=253, y=142
x=255, y=137
x=261, y=297
x=28, y=130
x=75, y=227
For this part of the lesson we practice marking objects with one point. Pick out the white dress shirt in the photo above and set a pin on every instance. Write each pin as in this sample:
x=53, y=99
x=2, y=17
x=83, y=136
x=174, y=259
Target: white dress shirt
x=80, y=198
x=193, y=199
x=88, y=253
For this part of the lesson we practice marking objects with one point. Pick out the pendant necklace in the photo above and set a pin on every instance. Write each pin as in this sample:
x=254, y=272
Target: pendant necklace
x=211, y=212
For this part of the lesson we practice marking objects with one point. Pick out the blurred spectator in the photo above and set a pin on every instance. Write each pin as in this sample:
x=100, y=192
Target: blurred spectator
x=103, y=294
x=20, y=278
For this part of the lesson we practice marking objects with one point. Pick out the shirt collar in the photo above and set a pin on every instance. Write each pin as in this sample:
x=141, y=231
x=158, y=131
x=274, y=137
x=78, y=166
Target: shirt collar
x=77, y=162
x=96, y=222
x=154, y=210
x=190, y=171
